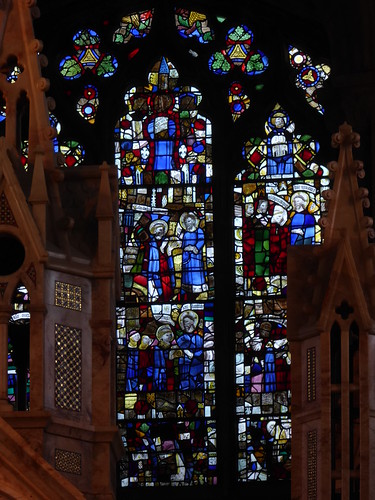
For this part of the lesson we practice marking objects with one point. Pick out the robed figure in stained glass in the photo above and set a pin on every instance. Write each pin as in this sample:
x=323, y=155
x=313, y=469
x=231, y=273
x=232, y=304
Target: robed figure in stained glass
x=302, y=222
x=256, y=240
x=193, y=272
x=160, y=271
x=162, y=130
x=280, y=144
x=163, y=379
x=190, y=366
x=145, y=363
x=133, y=359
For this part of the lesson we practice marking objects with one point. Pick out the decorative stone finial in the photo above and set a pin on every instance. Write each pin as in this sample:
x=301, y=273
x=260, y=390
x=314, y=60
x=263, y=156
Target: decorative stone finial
x=345, y=136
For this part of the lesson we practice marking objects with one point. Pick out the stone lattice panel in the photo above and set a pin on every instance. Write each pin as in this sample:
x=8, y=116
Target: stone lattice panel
x=31, y=272
x=312, y=464
x=68, y=461
x=311, y=374
x=6, y=214
x=68, y=367
x=68, y=296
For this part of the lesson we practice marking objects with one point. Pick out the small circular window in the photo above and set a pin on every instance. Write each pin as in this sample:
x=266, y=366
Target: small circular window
x=12, y=254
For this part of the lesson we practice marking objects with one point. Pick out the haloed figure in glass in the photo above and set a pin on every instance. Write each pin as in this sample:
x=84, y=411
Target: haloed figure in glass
x=280, y=144
x=302, y=223
x=162, y=131
x=163, y=377
x=132, y=365
x=193, y=272
x=160, y=270
x=190, y=366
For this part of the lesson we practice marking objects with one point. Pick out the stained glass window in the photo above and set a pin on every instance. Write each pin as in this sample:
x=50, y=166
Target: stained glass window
x=278, y=203
x=168, y=336
x=137, y=25
x=166, y=377
x=18, y=351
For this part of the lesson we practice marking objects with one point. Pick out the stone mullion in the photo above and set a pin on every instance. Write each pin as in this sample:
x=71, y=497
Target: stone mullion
x=345, y=415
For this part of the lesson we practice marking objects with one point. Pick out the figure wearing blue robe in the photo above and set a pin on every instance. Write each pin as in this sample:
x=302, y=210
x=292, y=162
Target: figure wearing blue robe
x=269, y=370
x=163, y=148
x=280, y=144
x=163, y=377
x=302, y=229
x=132, y=366
x=280, y=154
x=190, y=366
x=159, y=379
x=132, y=370
x=160, y=269
x=193, y=274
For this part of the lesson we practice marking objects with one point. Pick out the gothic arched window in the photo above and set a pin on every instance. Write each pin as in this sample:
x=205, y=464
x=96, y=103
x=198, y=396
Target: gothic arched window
x=204, y=102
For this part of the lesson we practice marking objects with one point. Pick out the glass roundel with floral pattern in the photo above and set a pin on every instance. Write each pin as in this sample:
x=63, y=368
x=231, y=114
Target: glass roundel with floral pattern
x=239, y=53
x=87, y=57
x=165, y=359
x=277, y=202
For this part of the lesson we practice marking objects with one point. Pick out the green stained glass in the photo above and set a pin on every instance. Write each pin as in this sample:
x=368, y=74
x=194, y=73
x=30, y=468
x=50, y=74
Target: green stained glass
x=240, y=34
x=239, y=53
x=219, y=63
x=70, y=68
x=85, y=38
x=106, y=67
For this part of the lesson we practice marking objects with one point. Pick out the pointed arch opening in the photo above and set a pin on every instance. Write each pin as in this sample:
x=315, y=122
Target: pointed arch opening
x=19, y=350
x=22, y=127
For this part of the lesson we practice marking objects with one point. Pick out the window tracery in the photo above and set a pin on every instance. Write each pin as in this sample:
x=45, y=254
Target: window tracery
x=165, y=175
